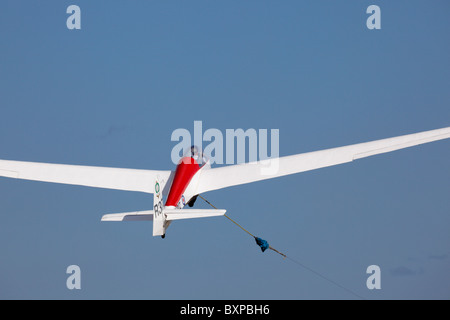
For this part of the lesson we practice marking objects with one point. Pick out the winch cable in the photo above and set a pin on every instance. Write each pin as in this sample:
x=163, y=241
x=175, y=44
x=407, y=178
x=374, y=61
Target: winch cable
x=264, y=245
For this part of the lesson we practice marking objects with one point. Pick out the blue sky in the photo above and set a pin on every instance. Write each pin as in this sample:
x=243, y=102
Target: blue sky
x=112, y=93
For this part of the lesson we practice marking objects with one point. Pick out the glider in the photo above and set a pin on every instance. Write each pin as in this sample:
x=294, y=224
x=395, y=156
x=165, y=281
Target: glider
x=194, y=176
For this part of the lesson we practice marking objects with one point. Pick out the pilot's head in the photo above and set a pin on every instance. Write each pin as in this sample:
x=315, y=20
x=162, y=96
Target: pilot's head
x=194, y=152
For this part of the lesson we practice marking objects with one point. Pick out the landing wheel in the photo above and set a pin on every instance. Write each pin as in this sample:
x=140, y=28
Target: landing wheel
x=163, y=236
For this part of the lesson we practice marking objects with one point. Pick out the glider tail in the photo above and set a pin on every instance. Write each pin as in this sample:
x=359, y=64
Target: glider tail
x=159, y=221
x=162, y=216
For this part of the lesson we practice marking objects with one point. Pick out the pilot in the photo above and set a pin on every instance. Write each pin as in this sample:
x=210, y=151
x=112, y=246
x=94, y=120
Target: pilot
x=194, y=152
x=198, y=156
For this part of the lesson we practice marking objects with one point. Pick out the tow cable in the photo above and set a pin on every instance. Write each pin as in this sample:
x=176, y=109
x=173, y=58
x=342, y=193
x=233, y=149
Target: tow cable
x=264, y=245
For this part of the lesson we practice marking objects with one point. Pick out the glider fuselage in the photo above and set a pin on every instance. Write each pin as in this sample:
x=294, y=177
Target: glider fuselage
x=184, y=173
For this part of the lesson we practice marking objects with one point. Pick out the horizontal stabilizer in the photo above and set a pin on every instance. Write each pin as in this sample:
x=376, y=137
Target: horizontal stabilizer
x=171, y=214
x=178, y=214
x=129, y=216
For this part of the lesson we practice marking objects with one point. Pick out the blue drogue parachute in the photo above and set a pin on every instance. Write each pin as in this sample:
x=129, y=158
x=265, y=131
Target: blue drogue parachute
x=262, y=243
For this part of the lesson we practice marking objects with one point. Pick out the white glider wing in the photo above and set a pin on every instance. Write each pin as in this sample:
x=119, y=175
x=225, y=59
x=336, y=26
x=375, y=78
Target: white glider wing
x=97, y=177
x=228, y=176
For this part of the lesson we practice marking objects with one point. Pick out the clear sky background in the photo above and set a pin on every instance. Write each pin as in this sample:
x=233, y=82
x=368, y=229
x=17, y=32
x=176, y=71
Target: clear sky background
x=112, y=93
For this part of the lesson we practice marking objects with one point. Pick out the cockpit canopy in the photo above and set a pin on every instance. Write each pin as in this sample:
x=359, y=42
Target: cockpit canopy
x=196, y=153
